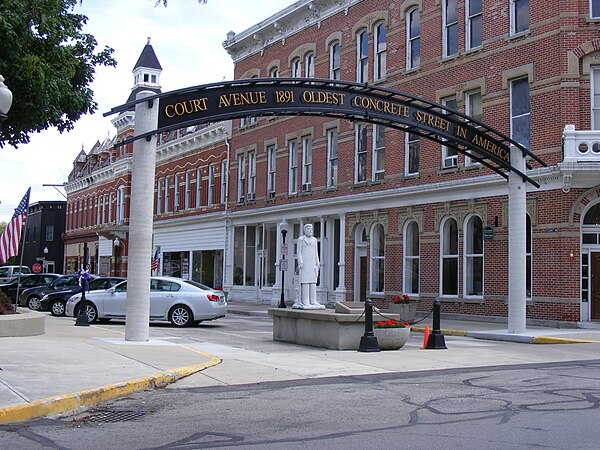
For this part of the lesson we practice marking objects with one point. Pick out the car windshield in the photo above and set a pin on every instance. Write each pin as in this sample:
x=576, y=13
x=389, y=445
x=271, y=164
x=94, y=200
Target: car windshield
x=198, y=285
x=60, y=282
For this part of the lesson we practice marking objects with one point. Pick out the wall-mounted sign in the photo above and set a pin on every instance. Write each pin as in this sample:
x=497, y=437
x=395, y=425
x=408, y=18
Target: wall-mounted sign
x=488, y=234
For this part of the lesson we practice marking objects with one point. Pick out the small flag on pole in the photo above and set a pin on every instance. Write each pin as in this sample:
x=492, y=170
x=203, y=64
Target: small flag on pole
x=155, y=261
x=9, y=242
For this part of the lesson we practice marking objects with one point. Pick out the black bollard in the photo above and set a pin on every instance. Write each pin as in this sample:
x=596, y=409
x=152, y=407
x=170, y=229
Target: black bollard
x=368, y=342
x=436, y=338
x=82, y=318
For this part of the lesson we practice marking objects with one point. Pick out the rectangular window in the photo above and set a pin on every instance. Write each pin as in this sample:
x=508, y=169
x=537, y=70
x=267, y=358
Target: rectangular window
x=520, y=111
x=360, y=155
x=159, y=196
x=413, y=38
x=380, y=51
x=176, y=193
x=224, y=178
x=474, y=23
x=519, y=16
x=595, y=9
x=306, y=164
x=411, y=152
x=167, y=195
x=98, y=211
x=198, y=187
x=334, y=61
x=362, y=56
x=251, y=175
x=271, y=166
x=238, y=255
x=595, y=78
x=241, y=178
x=378, y=153
x=120, y=217
x=449, y=154
x=188, y=193
x=211, y=185
x=110, y=206
x=332, y=158
x=450, y=18
x=49, y=233
x=293, y=167
x=473, y=109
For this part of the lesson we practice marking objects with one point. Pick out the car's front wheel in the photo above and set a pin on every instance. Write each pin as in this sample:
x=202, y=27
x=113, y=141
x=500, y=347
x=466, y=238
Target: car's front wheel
x=181, y=316
x=33, y=303
x=90, y=310
x=57, y=308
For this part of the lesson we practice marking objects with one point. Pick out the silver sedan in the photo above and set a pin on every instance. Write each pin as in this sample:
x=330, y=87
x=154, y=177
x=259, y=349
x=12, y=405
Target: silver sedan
x=181, y=302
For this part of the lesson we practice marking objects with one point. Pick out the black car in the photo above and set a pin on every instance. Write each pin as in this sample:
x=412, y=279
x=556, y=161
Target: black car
x=27, y=281
x=31, y=297
x=55, y=301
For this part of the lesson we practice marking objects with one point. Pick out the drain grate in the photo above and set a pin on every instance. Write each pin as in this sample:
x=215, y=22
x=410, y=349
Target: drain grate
x=110, y=416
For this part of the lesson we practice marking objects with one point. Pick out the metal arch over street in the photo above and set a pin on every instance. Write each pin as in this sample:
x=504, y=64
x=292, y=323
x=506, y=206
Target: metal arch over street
x=334, y=98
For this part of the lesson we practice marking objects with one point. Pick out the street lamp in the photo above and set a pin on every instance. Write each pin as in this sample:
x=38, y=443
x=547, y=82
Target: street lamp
x=6, y=99
x=283, y=226
x=45, y=262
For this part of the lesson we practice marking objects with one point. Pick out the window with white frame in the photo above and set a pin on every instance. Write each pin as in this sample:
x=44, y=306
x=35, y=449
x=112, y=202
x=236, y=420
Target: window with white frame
x=293, y=166
x=413, y=38
x=105, y=208
x=520, y=111
x=309, y=65
x=595, y=96
x=188, y=193
x=211, y=185
x=271, y=167
x=49, y=233
x=378, y=172
x=377, y=258
x=528, y=253
x=332, y=157
x=412, y=147
x=334, y=61
x=362, y=56
x=224, y=179
x=595, y=9
x=449, y=256
x=360, y=153
x=167, y=195
x=251, y=175
x=474, y=109
x=449, y=154
x=411, y=258
x=198, y=187
x=450, y=27
x=176, y=192
x=306, y=163
x=241, y=159
x=120, y=218
x=110, y=207
x=380, y=48
x=474, y=23
x=98, y=210
x=159, y=196
x=473, y=258
x=274, y=72
x=295, y=68
x=519, y=16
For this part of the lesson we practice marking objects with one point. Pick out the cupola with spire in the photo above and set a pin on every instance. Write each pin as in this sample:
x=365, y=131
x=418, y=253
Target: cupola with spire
x=146, y=72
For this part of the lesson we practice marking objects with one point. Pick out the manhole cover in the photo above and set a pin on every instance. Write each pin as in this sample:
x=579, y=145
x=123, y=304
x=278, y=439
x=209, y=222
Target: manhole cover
x=110, y=416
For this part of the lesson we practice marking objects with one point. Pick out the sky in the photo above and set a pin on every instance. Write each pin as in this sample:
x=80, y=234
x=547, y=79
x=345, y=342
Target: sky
x=187, y=38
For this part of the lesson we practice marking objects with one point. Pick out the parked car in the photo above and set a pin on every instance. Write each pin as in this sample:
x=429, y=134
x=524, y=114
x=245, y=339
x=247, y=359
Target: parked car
x=26, y=282
x=55, y=301
x=181, y=302
x=31, y=297
x=7, y=273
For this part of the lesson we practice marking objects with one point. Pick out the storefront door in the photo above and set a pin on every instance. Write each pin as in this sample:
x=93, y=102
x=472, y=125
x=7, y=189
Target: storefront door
x=595, y=284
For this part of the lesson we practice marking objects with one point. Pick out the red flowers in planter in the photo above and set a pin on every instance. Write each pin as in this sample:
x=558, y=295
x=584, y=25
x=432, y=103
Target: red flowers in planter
x=391, y=323
x=401, y=300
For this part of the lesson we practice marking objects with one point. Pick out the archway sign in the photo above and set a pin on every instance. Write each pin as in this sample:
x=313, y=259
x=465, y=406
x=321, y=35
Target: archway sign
x=335, y=98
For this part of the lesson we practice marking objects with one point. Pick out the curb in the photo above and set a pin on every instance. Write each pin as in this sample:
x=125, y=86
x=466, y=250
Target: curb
x=518, y=338
x=81, y=400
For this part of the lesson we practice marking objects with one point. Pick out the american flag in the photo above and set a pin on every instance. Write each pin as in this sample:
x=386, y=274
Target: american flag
x=155, y=261
x=9, y=242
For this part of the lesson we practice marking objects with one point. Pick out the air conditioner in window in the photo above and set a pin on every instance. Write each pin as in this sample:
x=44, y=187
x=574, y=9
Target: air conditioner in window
x=271, y=194
x=451, y=161
x=241, y=199
x=306, y=187
x=250, y=196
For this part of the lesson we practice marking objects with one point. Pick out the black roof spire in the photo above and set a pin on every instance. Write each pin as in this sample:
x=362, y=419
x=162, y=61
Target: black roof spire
x=148, y=58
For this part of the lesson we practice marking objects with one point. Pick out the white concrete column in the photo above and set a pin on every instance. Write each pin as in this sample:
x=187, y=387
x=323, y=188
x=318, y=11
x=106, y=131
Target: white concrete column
x=342, y=262
x=137, y=326
x=517, y=241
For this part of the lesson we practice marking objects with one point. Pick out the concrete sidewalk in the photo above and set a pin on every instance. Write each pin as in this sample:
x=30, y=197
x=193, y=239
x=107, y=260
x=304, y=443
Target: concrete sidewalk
x=62, y=371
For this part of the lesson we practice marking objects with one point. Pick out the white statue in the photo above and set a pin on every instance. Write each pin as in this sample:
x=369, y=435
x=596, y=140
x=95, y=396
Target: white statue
x=308, y=265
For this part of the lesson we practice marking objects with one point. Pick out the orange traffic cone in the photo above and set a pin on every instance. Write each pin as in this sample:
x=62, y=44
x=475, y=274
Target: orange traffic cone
x=425, y=337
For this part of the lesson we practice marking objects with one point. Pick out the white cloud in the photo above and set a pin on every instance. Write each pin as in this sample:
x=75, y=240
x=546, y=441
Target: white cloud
x=187, y=39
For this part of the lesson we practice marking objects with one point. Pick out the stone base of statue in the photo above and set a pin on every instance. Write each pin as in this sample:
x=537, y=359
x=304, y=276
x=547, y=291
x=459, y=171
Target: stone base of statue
x=301, y=305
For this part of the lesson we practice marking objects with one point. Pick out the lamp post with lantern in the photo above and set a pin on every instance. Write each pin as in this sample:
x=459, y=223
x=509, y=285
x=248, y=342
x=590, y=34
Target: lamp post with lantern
x=283, y=263
x=6, y=99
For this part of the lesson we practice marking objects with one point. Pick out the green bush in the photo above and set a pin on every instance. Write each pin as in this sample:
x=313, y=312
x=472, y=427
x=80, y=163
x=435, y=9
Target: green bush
x=6, y=305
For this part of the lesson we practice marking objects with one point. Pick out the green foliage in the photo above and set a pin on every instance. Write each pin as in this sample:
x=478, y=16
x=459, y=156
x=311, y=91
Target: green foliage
x=48, y=64
x=6, y=305
x=2, y=227
x=164, y=2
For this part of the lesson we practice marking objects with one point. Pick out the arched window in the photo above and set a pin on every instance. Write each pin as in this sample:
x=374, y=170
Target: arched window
x=295, y=68
x=334, y=61
x=592, y=217
x=377, y=258
x=380, y=51
x=274, y=72
x=362, y=56
x=473, y=258
x=411, y=258
x=120, y=205
x=449, y=258
x=309, y=65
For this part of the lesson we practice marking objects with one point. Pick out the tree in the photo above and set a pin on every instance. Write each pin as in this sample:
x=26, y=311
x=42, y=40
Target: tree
x=48, y=63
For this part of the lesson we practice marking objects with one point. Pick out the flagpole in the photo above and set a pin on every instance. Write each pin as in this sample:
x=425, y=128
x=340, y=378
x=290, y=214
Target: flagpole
x=22, y=251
